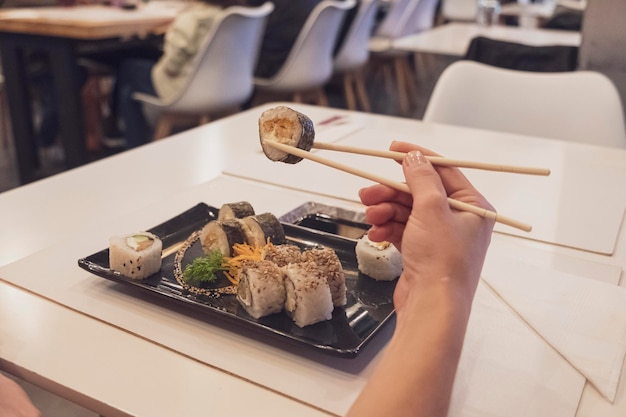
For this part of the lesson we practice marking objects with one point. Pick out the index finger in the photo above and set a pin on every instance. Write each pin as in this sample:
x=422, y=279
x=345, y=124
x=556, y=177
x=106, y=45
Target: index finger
x=452, y=178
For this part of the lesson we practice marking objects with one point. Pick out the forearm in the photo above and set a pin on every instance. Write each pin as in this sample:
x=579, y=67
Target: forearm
x=416, y=374
x=14, y=401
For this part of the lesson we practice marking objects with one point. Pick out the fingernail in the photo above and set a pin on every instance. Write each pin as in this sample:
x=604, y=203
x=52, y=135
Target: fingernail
x=415, y=158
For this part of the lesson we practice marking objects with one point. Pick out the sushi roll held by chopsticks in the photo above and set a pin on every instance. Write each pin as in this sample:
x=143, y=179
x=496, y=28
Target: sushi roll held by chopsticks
x=288, y=136
x=287, y=126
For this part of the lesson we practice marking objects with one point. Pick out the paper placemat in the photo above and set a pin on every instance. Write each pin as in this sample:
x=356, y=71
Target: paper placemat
x=583, y=319
x=507, y=370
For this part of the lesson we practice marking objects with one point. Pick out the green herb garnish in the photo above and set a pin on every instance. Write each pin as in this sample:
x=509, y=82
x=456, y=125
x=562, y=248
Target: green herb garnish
x=203, y=269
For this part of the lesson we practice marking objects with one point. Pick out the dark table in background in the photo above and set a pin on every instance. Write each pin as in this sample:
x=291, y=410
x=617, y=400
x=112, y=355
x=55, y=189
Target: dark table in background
x=64, y=33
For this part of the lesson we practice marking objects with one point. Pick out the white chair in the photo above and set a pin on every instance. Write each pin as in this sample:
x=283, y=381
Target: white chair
x=459, y=10
x=309, y=65
x=404, y=17
x=394, y=65
x=223, y=75
x=423, y=17
x=393, y=21
x=579, y=106
x=354, y=53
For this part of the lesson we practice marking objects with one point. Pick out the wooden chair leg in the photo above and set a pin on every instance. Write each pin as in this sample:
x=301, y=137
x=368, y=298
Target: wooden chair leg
x=298, y=97
x=423, y=62
x=361, y=91
x=4, y=119
x=225, y=113
x=409, y=77
x=348, y=91
x=407, y=90
x=164, y=126
x=388, y=77
x=322, y=100
x=401, y=83
x=93, y=115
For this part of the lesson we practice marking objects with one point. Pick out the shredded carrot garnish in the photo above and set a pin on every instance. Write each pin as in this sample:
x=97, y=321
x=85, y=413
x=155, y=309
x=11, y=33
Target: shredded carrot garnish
x=243, y=252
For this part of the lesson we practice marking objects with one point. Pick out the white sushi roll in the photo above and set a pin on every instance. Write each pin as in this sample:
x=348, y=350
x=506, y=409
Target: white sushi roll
x=329, y=264
x=136, y=256
x=282, y=255
x=284, y=125
x=308, y=300
x=261, y=288
x=378, y=260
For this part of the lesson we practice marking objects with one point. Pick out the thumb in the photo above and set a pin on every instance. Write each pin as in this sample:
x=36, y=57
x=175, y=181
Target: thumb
x=422, y=179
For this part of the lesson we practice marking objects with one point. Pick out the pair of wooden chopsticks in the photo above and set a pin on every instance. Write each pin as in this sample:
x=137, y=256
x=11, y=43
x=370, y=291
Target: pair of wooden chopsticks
x=435, y=160
x=459, y=205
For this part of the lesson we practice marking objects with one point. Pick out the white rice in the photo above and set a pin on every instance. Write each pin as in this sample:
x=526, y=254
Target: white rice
x=378, y=260
x=133, y=262
x=308, y=298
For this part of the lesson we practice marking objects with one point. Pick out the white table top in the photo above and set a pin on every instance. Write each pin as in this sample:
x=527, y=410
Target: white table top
x=80, y=317
x=96, y=13
x=454, y=38
x=541, y=10
x=115, y=373
x=579, y=5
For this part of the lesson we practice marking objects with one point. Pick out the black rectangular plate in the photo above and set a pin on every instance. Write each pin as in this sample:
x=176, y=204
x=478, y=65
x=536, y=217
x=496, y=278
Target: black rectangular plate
x=369, y=306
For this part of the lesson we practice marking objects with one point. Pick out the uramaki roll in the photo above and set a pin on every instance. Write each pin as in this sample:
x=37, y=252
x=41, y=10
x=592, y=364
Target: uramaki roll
x=261, y=288
x=308, y=300
x=378, y=260
x=329, y=264
x=136, y=256
x=282, y=255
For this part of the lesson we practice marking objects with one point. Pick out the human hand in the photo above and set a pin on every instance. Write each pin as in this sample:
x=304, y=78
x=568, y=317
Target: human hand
x=436, y=241
x=13, y=400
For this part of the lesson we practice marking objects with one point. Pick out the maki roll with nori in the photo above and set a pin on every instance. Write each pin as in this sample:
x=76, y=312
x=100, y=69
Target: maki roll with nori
x=236, y=210
x=261, y=227
x=221, y=235
x=284, y=125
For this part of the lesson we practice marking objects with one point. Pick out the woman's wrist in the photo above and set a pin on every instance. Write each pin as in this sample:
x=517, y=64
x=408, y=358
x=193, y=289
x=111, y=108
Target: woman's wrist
x=444, y=299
